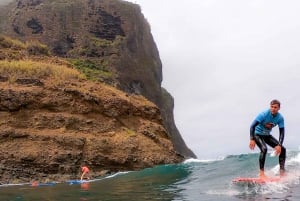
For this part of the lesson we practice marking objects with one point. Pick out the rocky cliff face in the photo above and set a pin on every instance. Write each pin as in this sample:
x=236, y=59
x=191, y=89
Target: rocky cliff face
x=48, y=131
x=52, y=120
x=108, y=40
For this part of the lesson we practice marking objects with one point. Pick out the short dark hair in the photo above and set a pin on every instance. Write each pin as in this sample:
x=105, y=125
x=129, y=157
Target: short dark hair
x=273, y=102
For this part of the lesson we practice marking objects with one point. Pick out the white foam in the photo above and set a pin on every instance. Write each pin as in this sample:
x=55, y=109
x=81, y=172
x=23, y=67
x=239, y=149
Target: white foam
x=116, y=174
x=193, y=160
x=21, y=184
x=228, y=192
x=271, y=188
x=292, y=177
x=295, y=159
x=262, y=189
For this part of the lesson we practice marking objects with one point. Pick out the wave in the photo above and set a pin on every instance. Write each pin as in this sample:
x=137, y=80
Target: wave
x=209, y=178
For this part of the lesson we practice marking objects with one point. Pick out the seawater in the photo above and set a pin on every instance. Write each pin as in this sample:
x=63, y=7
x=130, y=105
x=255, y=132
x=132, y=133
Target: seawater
x=207, y=180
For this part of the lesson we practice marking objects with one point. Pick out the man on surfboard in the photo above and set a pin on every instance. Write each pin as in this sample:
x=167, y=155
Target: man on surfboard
x=260, y=135
x=85, y=172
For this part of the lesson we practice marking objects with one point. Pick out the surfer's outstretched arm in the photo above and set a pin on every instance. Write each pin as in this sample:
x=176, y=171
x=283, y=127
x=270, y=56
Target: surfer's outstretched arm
x=281, y=136
x=252, y=129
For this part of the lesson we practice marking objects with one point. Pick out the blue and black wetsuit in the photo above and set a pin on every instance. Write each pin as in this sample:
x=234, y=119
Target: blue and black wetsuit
x=260, y=132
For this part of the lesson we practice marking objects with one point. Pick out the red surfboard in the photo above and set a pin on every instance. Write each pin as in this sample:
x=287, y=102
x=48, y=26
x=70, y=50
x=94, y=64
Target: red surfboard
x=255, y=180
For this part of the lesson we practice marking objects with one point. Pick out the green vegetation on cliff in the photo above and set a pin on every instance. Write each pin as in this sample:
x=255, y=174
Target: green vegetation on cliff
x=18, y=59
x=93, y=70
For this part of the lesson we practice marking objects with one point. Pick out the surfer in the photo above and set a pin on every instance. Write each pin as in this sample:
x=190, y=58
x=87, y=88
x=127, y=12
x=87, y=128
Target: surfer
x=85, y=172
x=260, y=135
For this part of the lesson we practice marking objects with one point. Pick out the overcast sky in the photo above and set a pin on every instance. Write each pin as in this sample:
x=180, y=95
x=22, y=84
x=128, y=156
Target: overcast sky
x=224, y=61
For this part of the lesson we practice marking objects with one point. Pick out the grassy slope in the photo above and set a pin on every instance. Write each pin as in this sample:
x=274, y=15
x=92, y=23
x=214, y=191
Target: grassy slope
x=32, y=59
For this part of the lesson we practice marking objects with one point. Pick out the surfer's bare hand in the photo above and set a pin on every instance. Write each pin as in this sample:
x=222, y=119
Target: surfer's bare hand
x=252, y=144
x=277, y=150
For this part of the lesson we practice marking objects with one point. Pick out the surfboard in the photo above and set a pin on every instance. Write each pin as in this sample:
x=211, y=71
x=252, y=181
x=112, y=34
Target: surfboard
x=71, y=182
x=78, y=181
x=36, y=184
x=256, y=180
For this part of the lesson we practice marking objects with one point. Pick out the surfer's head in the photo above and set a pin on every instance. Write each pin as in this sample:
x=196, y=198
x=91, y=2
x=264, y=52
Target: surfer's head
x=274, y=106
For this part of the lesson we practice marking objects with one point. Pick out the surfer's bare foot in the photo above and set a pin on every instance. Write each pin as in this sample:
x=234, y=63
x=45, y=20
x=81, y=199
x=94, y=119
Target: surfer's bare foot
x=282, y=173
x=262, y=175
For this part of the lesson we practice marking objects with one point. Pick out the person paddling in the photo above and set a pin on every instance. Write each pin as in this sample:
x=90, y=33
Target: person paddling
x=260, y=135
x=85, y=172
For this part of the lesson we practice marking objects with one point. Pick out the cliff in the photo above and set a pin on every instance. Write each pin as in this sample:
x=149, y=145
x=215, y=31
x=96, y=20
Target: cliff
x=53, y=120
x=112, y=35
x=108, y=41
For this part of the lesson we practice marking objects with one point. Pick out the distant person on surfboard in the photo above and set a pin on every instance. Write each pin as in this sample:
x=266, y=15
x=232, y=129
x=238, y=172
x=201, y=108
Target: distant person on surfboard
x=260, y=135
x=85, y=172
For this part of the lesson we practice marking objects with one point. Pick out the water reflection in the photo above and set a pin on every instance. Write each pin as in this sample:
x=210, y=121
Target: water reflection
x=85, y=186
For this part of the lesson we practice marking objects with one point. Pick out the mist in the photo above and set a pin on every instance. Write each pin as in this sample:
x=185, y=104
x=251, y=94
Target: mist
x=224, y=61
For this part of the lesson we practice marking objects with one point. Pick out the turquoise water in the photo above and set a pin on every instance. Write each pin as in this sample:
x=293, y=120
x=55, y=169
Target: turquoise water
x=191, y=180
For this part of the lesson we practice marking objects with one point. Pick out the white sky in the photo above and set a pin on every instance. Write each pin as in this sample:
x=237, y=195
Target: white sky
x=223, y=61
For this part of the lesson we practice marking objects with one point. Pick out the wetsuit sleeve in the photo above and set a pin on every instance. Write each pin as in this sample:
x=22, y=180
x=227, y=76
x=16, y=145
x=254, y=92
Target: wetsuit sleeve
x=281, y=135
x=252, y=129
x=281, y=123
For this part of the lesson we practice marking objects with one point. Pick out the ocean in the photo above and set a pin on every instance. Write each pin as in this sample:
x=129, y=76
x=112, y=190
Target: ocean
x=204, y=180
